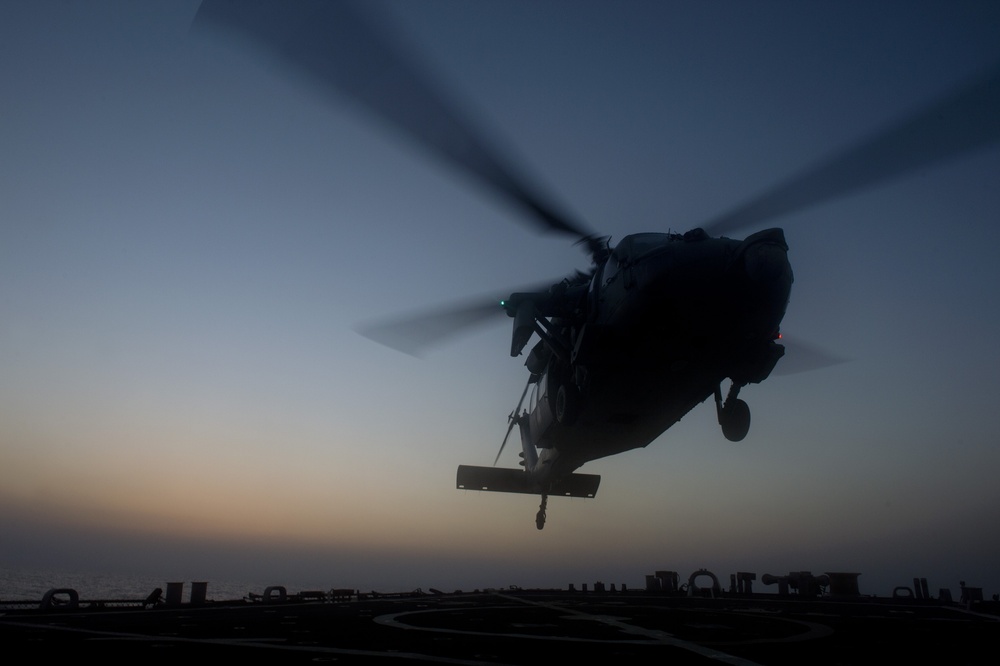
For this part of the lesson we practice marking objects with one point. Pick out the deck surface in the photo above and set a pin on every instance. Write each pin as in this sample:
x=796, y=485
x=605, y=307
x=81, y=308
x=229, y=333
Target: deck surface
x=524, y=627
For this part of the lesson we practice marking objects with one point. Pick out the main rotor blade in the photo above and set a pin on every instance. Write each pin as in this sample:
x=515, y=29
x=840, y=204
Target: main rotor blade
x=415, y=334
x=341, y=49
x=803, y=357
x=966, y=119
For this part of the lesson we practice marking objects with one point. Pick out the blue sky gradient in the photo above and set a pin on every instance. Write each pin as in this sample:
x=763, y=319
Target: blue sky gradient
x=190, y=235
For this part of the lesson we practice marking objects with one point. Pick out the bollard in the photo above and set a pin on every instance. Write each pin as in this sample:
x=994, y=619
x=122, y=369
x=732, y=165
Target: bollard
x=174, y=593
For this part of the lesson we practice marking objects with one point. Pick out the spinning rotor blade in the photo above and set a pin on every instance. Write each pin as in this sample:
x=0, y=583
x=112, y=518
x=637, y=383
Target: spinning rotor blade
x=802, y=357
x=962, y=121
x=413, y=335
x=339, y=49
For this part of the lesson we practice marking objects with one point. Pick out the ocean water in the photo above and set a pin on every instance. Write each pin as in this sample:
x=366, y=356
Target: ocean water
x=31, y=584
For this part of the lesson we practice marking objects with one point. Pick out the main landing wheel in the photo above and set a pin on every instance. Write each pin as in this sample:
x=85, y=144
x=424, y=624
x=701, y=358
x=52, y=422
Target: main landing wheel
x=735, y=420
x=567, y=404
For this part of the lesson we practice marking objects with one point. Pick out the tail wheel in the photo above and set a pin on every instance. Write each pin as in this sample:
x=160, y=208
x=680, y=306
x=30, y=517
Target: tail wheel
x=540, y=516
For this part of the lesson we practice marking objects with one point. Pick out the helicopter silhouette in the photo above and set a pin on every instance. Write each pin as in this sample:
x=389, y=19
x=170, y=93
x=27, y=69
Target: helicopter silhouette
x=662, y=321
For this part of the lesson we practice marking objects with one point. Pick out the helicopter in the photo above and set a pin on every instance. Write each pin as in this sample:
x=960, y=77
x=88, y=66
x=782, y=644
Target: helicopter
x=662, y=321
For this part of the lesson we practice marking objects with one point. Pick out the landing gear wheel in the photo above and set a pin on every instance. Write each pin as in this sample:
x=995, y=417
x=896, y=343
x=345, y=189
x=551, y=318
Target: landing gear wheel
x=567, y=404
x=735, y=420
x=540, y=516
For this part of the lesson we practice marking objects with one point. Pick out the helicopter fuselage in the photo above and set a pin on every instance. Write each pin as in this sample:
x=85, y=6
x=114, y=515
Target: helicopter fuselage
x=660, y=324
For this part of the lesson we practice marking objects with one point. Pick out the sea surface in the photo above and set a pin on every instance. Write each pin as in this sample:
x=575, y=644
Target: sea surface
x=31, y=584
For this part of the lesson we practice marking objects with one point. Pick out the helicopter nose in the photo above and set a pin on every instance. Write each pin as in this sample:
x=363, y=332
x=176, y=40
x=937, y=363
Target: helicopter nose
x=765, y=263
x=765, y=260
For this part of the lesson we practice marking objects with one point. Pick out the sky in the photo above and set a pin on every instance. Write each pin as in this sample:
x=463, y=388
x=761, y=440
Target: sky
x=190, y=235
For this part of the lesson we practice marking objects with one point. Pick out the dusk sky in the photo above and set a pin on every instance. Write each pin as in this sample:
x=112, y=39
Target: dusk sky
x=190, y=235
